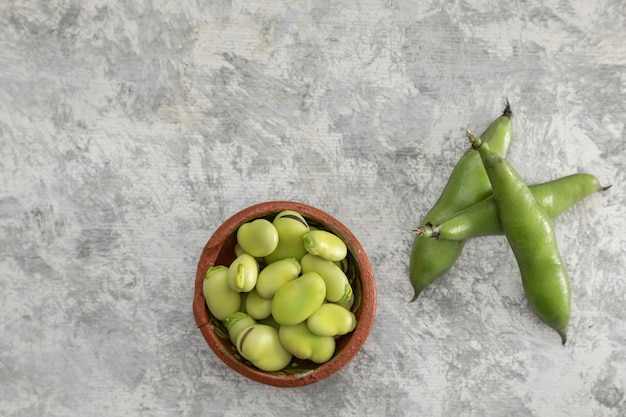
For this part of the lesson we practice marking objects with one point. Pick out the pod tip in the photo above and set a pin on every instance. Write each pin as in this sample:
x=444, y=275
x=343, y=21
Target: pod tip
x=606, y=188
x=507, y=109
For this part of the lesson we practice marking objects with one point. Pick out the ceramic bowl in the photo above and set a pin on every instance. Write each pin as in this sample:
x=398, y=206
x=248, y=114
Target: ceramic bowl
x=219, y=250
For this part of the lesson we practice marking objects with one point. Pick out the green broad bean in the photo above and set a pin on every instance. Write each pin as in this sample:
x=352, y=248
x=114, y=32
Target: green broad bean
x=220, y=299
x=258, y=237
x=531, y=237
x=291, y=226
x=243, y=273
x=237, y=323
x=296, y=300
x=261, y=345
x=301, y=343
x=482, y=219
x=258, y=307
x=331, y=320
x=325, y=244
x=276, y=274
x=338, y=287
x=468, y=184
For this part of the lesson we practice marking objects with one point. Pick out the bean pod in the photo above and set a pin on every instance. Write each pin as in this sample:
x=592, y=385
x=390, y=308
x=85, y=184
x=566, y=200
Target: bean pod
x=531, y=237
x=468, y=184
x=482, y=219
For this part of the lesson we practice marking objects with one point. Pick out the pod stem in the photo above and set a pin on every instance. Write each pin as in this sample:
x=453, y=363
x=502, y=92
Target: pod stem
x=507, y=110
x=428, y=230
x=476, y=141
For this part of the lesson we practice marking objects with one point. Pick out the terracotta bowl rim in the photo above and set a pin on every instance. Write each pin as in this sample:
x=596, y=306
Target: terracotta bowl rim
x=357, y=338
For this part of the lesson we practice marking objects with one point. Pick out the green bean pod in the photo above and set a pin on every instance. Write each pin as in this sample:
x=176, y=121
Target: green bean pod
x=468, y=184
x=482, y=219
x=220, y=299
x=530, y=234
x=338, y=287
x=261, y=345
x=301, y=343
x=291, y=226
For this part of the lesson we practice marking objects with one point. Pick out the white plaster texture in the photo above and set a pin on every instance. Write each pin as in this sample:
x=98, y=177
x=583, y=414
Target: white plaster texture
x=130, y=129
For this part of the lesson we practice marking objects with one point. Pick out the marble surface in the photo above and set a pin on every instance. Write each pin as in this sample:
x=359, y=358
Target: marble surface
x=130, y=129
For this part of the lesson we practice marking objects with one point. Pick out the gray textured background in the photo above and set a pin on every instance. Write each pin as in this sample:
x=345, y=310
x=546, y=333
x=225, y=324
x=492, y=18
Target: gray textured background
x=129, y=130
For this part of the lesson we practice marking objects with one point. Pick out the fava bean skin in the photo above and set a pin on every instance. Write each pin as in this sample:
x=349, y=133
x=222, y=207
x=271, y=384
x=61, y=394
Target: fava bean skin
x=338, y=287
x=482, y=219
x=291, y=226
x=243, y=273
x=258, y=307
x=236, y=323
x=296, y=300
x=276, y=274
x=325, y=245
x=258, y=237
x=531, y=237
x=301, y=343
x=220, y=299
x=467, y=185
x=331, y=320
x=261, y=345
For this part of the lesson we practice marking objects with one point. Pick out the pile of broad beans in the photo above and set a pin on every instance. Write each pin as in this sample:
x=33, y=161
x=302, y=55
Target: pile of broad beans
x=484, y=196
x=285, y=295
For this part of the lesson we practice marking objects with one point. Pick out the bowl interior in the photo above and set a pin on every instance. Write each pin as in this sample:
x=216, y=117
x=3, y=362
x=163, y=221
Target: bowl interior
x=220, y=250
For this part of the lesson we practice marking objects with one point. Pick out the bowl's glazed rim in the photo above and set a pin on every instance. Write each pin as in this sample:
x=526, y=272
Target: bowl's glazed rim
x=204, y=320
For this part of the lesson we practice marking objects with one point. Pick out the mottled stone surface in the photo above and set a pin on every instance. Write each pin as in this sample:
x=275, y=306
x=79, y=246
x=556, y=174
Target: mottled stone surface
x=130, y=129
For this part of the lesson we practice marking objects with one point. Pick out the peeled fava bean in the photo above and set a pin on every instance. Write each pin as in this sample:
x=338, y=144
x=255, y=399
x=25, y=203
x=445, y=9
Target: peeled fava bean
x=261, y=345
x=303, y=344
x=291, y=226
x=325, y=245
x=276, y=274
x=296, y=300
x=331, y=320
x=243, y=273
x=220, y=299
x=236, y=323
x=258, y=237
x=258, y=307
x=338, y=287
